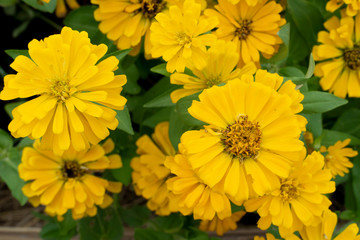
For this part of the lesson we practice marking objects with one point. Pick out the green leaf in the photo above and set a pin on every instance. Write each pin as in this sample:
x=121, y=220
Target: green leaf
x=347, y=215
x=320, y=102
x=132, y=75
x=291, y=72
x=176, y=128
x=42, y=6
x=123, y=174
x=135, y=216
x=348, y=122
x=330, y=137
x=160, y=116
x=13, y=53
x=350, y=203
x=161, y=69
x=7, y=3
x=82, y=19
x=311, y=67
x=10, y=107
x=308, y=19
x=54, y=229
x=162, y=97
x=182, y=107
x=355, y=172
x=119, y=54
x=170, y=224
x=339, y=179
x=123, y=117
x=9, y=161
x=6, y=141
x=21, y=28
x=314, y=124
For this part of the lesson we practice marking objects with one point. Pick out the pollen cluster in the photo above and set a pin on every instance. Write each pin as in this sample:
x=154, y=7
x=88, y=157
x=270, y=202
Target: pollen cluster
x=289, y=190
x=72, y=169
x=245, y=29
x=352, y=58
x=242, y=138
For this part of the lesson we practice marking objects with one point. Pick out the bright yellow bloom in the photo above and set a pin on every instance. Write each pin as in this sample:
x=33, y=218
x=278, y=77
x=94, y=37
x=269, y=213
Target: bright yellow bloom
x=269, y=236
x=324, y=230
x=222, y=226
x=73, y=93
x=179, y=36
x=299, y=200
x=192, y=195
x=352, y=8
x=60, y=10
x=252, y=28
x=288, y=88
x=221, y=59
x=340, y=55
x=337, y=157
x=252, y=131
x=126, y=21
x=149, y=173
x=66, y=182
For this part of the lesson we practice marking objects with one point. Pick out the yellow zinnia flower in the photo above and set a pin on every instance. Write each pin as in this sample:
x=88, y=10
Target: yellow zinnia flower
x=222, y=226
x=60, y=10
x=221, y=59
x=149, y=173
x=340, y=55
x=252, y=131
x=299, y=200
x=324, y=230
x=179, y=35
x=74, y=93
x=252, y=28
x=352, y=8
x=66, y=182
x=192, y=195
x=337, y=157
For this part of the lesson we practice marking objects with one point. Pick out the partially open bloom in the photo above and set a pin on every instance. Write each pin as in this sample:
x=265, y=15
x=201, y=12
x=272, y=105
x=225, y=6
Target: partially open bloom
x=253, y=28
x=300, y=199
x=222, y=226
x=325, y=230
x=74, y=93
x=337, y=157
x=339, y=53
x=150, y=174
x=252, y=131
x=180, y=35
x=192, y=195
x=67, y=181
x=221, y=59
x=126, y=21
x=61, y=10
x=352, y=6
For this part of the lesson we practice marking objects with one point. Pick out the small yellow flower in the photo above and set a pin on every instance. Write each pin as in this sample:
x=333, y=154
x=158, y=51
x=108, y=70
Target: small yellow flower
x=339, y=53
x=179, y=35
x=221, y=59
x=253, y=28
x=352, y=6
x=337, y=157
x=252, y=131
x=300, y=199
x=66, y=182
x=325, y=229
x=150, y=174
x=61, y=10
x=74, y=93
x=192, y=195
x=222, y=226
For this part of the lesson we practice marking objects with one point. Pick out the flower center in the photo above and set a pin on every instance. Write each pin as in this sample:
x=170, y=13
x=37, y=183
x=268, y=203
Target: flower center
x=152, y=7
x=242, y=138
x=244, y=30
x=72, y=169
x=352, y=58
x=60, y=89
x=183, y=38
x=289, y=190
x=214, y=81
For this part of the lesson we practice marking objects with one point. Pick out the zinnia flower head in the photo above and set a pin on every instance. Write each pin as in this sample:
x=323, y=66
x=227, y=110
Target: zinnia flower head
x=222, y=226
x=73, y=92
x=339, y=53
x=179, y=36
x=337, y=157
x=253, y=28
x=325, y=229
x=352, y=6
x=149, y=172
x=252, y=131
x=221, y=59
x=194, y=196
x=67, y=181
x=299, y=200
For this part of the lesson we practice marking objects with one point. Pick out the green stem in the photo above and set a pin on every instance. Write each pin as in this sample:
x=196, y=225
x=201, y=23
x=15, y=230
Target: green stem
x=48, y=21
